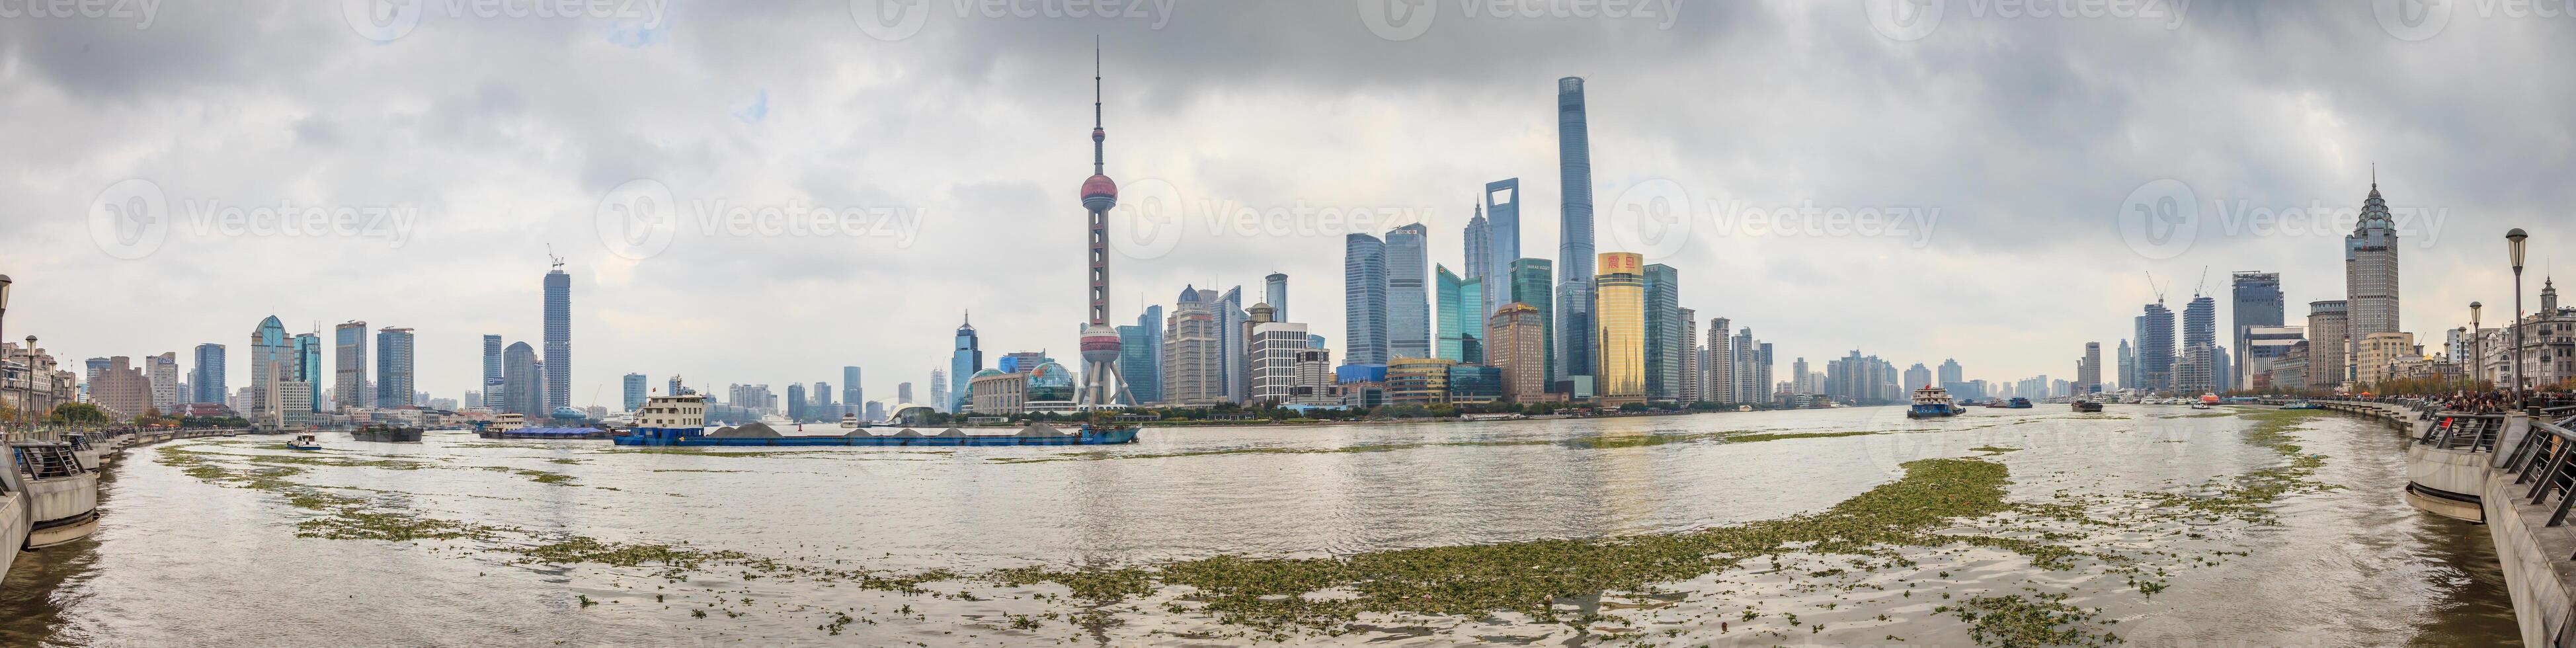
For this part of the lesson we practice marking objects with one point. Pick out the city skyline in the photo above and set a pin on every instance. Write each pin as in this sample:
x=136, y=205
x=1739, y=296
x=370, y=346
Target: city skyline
x=472, y=257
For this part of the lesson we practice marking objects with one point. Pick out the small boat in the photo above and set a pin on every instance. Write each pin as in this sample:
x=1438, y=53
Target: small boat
x=2019, y=403
x=2087, y=407
x=2300, y=405
x=304, y=442
x=1933, y=402
x=2206, y=401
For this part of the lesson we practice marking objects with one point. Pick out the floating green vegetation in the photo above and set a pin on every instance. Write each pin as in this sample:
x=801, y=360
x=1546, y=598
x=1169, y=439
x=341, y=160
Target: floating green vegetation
x=354, y=524
x=2035, y=620
x=2249, y=497
x=1756, y=438
x=538, y=476
x=1993, y=450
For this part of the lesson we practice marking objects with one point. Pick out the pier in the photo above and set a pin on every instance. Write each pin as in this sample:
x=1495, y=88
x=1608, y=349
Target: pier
x=2513, y=472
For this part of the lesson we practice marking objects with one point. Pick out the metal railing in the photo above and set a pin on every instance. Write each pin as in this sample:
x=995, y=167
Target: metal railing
x=2546, y=459
x=2472, y=432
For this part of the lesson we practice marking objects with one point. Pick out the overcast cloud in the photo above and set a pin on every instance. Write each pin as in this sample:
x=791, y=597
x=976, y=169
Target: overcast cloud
x=1987, y=157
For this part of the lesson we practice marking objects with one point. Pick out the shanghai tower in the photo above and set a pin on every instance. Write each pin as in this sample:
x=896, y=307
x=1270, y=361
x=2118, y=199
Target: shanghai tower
x=558, y=337
x=1101, y=386
x=1574, y=249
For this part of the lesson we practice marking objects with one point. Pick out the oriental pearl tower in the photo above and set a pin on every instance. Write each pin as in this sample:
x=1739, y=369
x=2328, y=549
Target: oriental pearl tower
x=1102, y=388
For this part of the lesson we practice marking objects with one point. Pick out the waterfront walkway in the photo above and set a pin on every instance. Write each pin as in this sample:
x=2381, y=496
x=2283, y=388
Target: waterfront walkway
x=2511, y=471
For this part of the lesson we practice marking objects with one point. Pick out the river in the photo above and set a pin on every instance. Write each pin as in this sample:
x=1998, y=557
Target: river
x=2155, y=525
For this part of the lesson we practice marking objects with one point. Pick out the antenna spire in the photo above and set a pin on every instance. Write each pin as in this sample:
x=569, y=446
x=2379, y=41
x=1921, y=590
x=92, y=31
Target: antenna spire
x=1097, y=134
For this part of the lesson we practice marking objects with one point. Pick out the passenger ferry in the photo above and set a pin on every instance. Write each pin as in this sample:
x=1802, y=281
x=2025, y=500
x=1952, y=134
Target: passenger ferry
x=2018, y=403
x=681, y=421
x=1933, y=402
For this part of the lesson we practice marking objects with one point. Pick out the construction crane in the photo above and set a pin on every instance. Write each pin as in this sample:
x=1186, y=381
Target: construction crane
x=2204, y=282
x=2151, y=287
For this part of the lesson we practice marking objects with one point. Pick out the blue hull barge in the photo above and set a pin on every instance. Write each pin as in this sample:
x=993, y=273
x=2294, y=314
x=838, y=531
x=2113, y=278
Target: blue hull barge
x=760, y=435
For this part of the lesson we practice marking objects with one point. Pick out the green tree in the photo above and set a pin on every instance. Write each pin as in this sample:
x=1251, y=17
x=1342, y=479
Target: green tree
x=78, y=414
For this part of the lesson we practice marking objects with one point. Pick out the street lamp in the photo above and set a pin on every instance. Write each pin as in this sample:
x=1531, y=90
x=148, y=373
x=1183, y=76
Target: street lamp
x=2476, y=359
x=2513, y=247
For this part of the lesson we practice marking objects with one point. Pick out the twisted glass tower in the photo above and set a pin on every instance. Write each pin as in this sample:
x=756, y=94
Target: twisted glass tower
x=1574, y=329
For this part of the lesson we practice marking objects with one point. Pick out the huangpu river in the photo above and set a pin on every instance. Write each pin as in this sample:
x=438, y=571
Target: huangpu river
x=2141, y=525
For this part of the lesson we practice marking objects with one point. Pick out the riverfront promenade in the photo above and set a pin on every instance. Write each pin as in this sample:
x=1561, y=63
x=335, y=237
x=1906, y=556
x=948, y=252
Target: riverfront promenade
x=2512, y=471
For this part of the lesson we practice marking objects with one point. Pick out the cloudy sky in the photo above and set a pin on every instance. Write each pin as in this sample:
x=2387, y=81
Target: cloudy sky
x=840, y=181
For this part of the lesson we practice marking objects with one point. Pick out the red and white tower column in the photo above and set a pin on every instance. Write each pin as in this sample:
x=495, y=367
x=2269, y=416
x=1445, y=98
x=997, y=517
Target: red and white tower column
x=1102, y=387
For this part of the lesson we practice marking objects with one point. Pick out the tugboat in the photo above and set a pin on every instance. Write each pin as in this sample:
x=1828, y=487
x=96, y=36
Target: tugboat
x=59, y=492
x=304, y=442
x=387, y=434
x=1933, y=402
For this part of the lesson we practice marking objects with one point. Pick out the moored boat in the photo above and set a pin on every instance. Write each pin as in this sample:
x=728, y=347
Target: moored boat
x=2206, y=401
x=2300, y=405
x=387, y=434
x=61, y=494
x=303, y=442
x=1932, y=402
x=2087, y=406
x=2018, y=403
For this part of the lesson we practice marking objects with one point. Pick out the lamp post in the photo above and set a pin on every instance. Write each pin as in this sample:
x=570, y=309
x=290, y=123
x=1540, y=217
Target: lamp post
x=28, y=393
x=2513, y=247
x=2476, y=359
x=4, y=360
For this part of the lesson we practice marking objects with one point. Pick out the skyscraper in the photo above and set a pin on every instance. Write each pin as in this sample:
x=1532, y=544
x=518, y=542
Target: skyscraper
x=521, y=383
x=1620, y=342
x=1516, y=343
x=492, y=386
x=2128, y=365
x=1408, y=299
x=965, y=357
x=1917, y=376
x=1272, y=350
x=2088, y=373
x=1142, y=355
x=349, y=366
x=1274, y=291
x=558, y=336
x=1190, y=373
x=1949, y=372
x=903, y=393
x=1574, y=298
x=939, y=385
x=207, y=381
x=1459, y=301
x=1363, y=304
x=2257, y=302
x=1231, y=342
x=1718, y=373
x=394, y=367
x=1663, y=333
x=1691, y=356
x=1530, y=283
x=1503, y=249
x=1478, y=239
x=163, y=372
x=2370, y=269
x=1102, y=387
x=2329, y=344
x=2156, y=348
x=2199, y=344
x=308, y=368
x=634, y=391
x=796, y=410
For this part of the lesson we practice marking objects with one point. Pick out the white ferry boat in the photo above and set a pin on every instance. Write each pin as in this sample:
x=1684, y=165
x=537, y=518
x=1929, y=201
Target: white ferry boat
x=1933, y=402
